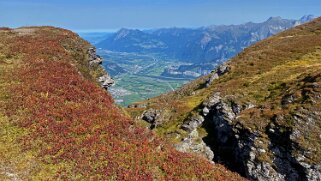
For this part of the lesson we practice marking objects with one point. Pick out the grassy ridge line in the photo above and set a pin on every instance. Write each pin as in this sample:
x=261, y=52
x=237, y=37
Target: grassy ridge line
x=65, y=127
x=261, y=75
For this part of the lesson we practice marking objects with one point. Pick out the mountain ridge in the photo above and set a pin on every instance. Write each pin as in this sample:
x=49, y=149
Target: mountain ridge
x=204, y=47
x=258, y=114
x=186, y=44
x=58, y=123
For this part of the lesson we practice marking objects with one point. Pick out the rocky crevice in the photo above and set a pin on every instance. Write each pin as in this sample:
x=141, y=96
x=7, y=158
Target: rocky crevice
x=229, y=143
x=241, y=150
x=290, y=158
x=282, y=146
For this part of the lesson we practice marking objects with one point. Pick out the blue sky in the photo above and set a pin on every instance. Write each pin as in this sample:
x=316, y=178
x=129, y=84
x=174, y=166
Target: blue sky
x=97, y=15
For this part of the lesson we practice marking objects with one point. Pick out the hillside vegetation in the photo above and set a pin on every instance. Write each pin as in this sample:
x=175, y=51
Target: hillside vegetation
x=57, y=123
x=263, y=115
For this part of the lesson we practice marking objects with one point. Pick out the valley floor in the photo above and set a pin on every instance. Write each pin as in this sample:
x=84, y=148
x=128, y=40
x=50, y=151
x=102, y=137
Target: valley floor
x=139, y=77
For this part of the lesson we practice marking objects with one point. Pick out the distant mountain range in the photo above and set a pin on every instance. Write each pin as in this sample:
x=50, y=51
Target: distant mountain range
x=203, y=46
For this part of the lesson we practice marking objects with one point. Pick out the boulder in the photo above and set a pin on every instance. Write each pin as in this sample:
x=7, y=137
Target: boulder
x=221, y=70
x=193, y=123
x=94, y=59
x=152, y=116
x=106, y=81
x=193, y=144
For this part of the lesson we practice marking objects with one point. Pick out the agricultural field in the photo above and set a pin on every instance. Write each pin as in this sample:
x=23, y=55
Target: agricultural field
x=138, y=77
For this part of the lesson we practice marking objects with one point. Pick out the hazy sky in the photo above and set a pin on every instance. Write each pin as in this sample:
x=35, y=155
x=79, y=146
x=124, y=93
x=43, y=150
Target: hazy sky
x=114, y=14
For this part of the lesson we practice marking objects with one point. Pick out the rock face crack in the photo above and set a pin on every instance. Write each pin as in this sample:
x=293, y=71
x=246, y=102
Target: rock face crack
x=282, y=147
x=241, y=150
x=222, y=136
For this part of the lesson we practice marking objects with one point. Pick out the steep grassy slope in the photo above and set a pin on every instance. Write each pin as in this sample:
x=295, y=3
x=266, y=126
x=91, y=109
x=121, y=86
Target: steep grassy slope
x=272, y=90
x=56, y=123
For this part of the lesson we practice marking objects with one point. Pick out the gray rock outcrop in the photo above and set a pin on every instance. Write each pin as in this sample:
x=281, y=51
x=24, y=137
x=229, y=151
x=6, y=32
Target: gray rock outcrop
x=246, y=149
x=193, y=143
x=106, y=81
x=152, y=116
x=193, y=123
x=95, y=60
x=221, y=70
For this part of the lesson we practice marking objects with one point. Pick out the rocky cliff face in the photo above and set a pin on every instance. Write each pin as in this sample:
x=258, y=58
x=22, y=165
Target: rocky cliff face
x=259, y=114
x=242, y=148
